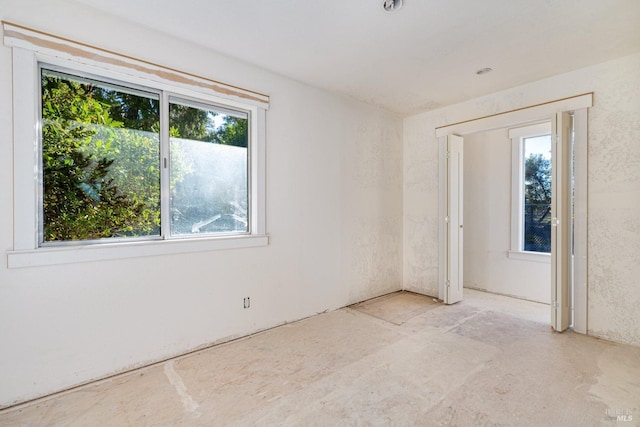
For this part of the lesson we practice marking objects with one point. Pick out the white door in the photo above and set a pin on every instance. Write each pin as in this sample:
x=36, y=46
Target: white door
x=453, y=220
x=561, y=223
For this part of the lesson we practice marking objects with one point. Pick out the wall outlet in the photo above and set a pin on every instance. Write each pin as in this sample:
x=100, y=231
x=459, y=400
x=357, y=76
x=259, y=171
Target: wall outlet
x=247, y=302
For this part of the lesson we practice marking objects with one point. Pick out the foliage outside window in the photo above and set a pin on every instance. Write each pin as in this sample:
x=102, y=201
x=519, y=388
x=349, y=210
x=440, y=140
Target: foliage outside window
x=531, y=147
x=537, y=194
x=103, y=161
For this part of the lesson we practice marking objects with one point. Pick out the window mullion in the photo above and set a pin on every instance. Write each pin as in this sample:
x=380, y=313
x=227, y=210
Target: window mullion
x=165, y=166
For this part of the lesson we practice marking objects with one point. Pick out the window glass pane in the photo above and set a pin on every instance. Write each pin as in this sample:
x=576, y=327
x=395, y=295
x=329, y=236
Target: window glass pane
x=208, y=174
x=100, y=160
x=537, y=194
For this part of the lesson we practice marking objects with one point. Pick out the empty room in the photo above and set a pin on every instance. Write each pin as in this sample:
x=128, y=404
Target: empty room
x=370, y=212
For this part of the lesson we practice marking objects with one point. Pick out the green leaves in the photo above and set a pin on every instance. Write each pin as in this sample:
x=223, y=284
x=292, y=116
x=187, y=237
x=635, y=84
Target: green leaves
x=207, y=125
x=101, y=159
x=101, y=179
x=537, y=180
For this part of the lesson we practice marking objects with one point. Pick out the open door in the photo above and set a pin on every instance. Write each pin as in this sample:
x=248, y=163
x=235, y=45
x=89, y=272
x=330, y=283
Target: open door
x=453, y=220
x=450, y=194
x=561, y=270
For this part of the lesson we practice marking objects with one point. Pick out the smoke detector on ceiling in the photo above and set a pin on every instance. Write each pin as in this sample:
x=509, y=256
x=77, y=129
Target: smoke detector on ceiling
x=391, y=5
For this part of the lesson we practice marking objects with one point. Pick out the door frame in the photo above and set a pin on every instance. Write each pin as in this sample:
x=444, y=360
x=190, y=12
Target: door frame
x=519, y=117
x=454, y=219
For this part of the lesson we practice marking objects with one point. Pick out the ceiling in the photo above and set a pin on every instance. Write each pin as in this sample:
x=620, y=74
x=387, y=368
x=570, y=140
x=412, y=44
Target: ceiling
x=415, y=59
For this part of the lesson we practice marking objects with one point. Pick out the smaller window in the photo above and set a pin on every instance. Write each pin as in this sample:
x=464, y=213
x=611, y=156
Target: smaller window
x=536, y=233
x=531, y=189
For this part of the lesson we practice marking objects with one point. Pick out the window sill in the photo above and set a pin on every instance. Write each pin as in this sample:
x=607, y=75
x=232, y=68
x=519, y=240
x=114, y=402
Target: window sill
x=530, y=256
x=111, y=251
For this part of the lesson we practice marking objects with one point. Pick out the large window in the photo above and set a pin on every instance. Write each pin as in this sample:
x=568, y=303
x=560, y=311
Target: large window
x=531, y=189
x=116, y=157
x=103, y=163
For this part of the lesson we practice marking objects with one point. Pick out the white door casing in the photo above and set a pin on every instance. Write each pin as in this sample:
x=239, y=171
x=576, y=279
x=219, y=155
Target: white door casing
x=454, y=219
x=561, y=222
x=556, y=111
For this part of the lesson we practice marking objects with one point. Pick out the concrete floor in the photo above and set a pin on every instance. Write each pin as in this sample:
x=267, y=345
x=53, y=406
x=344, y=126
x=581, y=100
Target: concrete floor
x=402, y=359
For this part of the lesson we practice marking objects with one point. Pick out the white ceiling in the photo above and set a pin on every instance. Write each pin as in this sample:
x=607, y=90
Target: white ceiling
x=418, y=58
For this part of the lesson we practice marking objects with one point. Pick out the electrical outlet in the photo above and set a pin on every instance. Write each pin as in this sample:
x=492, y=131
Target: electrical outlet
x=247, y=302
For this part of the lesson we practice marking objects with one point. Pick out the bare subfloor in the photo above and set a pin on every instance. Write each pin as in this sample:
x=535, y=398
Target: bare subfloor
x=402, y=359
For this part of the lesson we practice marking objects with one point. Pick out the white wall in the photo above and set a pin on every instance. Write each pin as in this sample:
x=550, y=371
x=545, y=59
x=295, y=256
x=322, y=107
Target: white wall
x=334, y=216
x=487, y=223
x=614, y=187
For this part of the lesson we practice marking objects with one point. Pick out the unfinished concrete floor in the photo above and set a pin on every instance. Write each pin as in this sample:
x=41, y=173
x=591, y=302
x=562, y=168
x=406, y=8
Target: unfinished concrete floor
x=402, y=359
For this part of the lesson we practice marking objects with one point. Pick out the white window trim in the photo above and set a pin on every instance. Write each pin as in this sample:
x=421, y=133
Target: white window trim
x=31, y=48
x=517, y=136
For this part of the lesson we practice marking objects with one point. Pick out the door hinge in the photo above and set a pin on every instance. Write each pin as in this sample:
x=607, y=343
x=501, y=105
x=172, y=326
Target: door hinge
x=447, y=154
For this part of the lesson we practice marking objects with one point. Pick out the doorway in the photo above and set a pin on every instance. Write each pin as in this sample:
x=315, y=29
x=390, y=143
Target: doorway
x=507, y=212
x=568, y=252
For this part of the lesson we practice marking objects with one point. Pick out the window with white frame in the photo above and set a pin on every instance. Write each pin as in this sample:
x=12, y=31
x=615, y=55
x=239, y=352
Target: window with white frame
x=117, y=158
x=103, y=163
x=531, y=190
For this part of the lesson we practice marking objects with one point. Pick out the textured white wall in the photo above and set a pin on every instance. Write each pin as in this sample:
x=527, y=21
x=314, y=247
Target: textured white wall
x=487, y=223
x=334, y=216
x=614, y=187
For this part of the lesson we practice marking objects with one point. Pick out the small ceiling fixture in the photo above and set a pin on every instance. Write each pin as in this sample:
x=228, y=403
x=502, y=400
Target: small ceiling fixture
x=391, y=5
x=482, y=71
